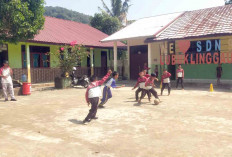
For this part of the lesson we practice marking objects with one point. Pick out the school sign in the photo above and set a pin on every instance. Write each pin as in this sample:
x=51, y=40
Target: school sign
x=196, y=52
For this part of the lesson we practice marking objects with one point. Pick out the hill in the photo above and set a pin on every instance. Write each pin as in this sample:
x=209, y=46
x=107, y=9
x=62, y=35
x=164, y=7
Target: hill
x=63, y=13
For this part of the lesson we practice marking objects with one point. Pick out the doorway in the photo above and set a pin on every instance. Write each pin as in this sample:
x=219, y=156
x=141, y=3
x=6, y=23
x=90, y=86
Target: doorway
x=3, y=53
x=103, y=63
x=138, y=56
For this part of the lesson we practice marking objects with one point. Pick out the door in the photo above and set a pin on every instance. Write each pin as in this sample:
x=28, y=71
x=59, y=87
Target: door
x=3, y=53
x=103, y=63
x=138, y=56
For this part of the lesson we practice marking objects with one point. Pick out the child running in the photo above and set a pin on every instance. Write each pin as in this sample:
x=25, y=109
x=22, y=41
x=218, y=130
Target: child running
x=150, y=87
x=165, y=79
x=92, y=95
x=141, y=83
x=107, y=91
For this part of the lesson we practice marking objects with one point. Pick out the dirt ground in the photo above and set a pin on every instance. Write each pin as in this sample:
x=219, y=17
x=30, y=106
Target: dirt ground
x=189, y=123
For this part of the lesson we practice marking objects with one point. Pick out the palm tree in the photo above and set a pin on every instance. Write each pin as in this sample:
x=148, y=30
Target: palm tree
x=228, y=2
x=118, y=9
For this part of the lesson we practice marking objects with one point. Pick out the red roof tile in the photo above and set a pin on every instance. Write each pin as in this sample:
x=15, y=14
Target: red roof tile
x=210, y=21
x=59, y=31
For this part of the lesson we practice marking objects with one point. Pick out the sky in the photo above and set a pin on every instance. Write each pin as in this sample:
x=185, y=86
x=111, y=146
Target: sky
x=139, y=8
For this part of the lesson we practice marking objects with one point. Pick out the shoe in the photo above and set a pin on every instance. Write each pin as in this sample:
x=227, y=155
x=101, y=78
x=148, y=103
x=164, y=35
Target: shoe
x=95, y=118
x=86, y=121
x=139, y=101
x=13, y=100
x=6, y=99
x=101, y=106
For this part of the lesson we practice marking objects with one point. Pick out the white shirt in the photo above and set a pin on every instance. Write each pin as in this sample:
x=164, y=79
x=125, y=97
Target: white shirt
x=6, y=72
x=95, y=92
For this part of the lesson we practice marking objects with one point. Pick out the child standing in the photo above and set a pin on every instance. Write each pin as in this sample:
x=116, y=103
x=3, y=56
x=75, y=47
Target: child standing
x=7, y=84
x=150, y=87
x=156, y=71
x=180, y=76
x=92, y=95
x=165, y=79
x=219, y=73
x=141, y=83
x=107, y=91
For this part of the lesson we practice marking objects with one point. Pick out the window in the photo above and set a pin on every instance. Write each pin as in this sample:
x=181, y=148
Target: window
x=38, y=55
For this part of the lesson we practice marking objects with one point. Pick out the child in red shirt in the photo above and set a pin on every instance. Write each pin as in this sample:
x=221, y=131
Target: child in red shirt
x=149, y=85
x=141, y=83
x=165, y=79
x=180, y=76
x=92, y=95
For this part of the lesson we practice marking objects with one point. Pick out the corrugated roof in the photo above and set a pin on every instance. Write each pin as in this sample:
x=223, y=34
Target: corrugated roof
x=59, y=31
x=203, y=22
x=146, y=27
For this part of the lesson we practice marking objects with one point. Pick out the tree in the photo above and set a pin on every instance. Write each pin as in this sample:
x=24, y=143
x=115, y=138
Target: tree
x=69, y=56
x=118, y=9
x=105, y=23
x=66, y=14
x=228, y=2
x=20, y=19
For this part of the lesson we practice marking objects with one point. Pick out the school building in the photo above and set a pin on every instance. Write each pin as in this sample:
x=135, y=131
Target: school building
x=195, y=39
x=32, y=54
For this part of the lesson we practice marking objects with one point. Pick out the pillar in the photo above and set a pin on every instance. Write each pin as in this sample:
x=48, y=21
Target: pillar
x=28, y=63
x=115, y=56
x=91, y=61
x=128, y=59
x=149, y=58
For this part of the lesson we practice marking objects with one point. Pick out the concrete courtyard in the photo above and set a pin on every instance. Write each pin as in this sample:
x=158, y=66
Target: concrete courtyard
x=189, y=123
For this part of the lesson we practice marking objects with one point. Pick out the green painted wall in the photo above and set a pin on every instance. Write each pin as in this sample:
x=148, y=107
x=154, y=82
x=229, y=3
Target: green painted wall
x=14, y=55
x=206, y=71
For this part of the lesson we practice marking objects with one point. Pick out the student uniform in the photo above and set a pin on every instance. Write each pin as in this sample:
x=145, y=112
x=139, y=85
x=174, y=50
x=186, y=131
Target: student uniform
x=180, y=77
x=7, y=83
x=166, y=82
x=107, y=94
x=92, y=95
x=141, y=83
x=149, y=87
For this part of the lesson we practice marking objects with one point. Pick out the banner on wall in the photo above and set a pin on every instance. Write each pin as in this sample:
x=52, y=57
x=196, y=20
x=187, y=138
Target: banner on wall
x=195, y=52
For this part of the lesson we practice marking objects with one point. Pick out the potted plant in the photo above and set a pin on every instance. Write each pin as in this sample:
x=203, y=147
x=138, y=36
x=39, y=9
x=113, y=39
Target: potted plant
x=68, y=56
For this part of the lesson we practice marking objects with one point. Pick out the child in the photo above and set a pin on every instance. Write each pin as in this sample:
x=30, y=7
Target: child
x=180, y=76
x=150, y=87
x=141, y=83
x=7, y=84
x=145, y=67
x=92, y=95
x=107, y=92
x=147, y=92
x=219, y=73
x=166, y=81
x=156, y=71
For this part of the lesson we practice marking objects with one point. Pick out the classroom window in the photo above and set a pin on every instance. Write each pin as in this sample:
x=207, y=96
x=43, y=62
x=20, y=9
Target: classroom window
x=39, y=57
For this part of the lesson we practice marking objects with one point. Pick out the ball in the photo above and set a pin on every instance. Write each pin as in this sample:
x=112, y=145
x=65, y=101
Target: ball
x=156, y=101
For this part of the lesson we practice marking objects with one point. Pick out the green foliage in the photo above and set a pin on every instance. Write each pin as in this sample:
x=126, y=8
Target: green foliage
x=66, y=14
x=105, y=23
x=228, y=2
x=20, y=19
x=118, y=9
x=70, y=56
